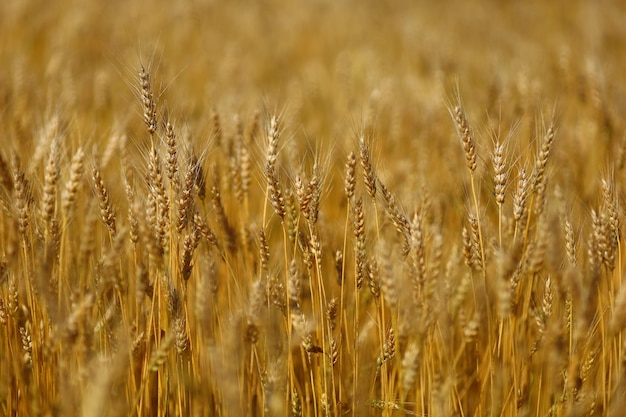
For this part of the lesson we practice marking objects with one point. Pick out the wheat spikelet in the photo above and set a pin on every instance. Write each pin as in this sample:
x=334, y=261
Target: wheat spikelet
x=332, y=312
x=470, y=332
x=417, y=251
x=292, y=214
x=71, y=187
x=222, y=220
x=27, y=347
x=311, y=199
x=182, y=341
x=22, y=198
x=199, y=177
x=333, y=356
x=315, y=247
x=399, y=220
x=467, y=248
x=216, y=128
x=148, y=102
x=373, y=278
x=542, y=161
x=296, y=405
x=521, y=193
x=234, y=174
x=160, y=200
x=245, y=168
x=133, y=210
x=599, y=245
x=185, y=200
x=171, y=161
x=476, y=259
x=500, y=173
x=389, y=347
x=467, y=139
x=548, y=297
x=190, y=244
x=350, y=180
x=107, y=214
x=359, y=244
x=51, y=175
x=277, y=294
x=264, y=250
x=275, y=190
x=409, y=365
x=611, y=224
x=13, y=302
x=570, y=243
x=3, y=313
x=276, y=196
x=205, y=231
x=369, y=177
x=272, y=143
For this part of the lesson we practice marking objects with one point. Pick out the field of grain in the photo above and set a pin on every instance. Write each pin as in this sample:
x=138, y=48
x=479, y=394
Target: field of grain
x=312, y=208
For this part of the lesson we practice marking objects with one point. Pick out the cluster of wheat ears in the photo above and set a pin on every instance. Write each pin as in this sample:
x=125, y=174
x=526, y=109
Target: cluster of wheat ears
x=226, y=279
x=454, y=249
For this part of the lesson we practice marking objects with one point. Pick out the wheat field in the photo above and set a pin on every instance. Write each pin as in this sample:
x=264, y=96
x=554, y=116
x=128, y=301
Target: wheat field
x=324, y=208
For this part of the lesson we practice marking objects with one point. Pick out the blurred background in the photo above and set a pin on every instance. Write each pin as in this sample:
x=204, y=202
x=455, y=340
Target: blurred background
x=331, y=68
